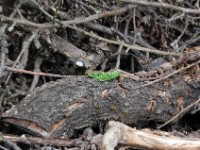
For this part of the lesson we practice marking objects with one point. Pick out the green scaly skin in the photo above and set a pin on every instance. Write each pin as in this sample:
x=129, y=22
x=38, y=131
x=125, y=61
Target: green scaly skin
x=104, y=76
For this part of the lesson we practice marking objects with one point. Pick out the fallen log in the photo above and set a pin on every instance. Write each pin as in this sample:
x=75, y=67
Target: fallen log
x=77, y=102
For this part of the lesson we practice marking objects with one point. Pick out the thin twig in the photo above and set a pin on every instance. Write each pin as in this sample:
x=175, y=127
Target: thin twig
x=25, y=47
x=66, y=23
x=119, y=56
x=134, y=27
x=162, y=5
x=37, y=65
x=167, y=76
x=179, y=114
x=2, y=63
x=9, y=143
x=174, y=44
x=91, y=34
x=35, y=73
x=3, y=148
x=4, y=43
x=39, y=140
x=98, y=15
x=41, y=9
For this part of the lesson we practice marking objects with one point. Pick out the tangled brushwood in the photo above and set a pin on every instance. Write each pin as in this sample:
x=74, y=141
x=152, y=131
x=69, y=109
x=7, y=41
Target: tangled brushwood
x=145, y=53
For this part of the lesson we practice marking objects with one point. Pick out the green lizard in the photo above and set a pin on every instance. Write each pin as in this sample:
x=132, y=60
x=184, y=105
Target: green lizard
x=105, y=76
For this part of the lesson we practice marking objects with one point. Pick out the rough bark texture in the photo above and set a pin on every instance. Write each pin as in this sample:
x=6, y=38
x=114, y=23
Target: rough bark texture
x=77, y=102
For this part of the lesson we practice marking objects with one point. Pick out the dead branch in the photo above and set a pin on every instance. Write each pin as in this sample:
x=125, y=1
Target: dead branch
x=39, y=140
x=124, y=44
x=118, y=133
x=181, y=113
x=99, y=102
x=162, y=5
x=34, y=73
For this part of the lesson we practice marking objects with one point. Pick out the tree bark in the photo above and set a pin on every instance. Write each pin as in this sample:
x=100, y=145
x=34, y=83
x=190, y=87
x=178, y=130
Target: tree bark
x=77, y=102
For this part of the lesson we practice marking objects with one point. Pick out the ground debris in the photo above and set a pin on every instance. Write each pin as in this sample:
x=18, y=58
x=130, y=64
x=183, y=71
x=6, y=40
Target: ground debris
x=154, y=45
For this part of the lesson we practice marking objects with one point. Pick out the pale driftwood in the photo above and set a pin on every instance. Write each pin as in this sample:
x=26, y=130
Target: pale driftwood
x=119, y=133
